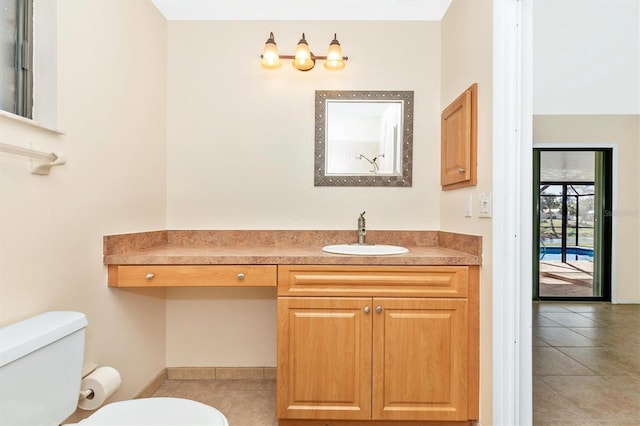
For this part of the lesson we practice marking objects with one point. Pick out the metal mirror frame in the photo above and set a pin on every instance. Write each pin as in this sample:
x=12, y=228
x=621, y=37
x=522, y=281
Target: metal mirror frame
x=320, y=176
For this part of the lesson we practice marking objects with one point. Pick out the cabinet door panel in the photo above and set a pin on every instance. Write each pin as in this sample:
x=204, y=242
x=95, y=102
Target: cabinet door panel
x=459, y=144
x=324, y=358
x=420, y=359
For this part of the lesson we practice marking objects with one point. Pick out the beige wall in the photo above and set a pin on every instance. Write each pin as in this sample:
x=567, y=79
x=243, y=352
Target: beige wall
x=241, y=138
x=241, y=151
x=112, y=97
x=467, y=59
x=622, y=131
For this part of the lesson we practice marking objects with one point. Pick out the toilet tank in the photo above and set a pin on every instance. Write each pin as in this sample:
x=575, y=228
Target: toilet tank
x=41, y=368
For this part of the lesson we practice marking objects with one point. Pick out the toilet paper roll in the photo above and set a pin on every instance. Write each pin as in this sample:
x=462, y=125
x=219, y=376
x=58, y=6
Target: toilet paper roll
x=104, y=381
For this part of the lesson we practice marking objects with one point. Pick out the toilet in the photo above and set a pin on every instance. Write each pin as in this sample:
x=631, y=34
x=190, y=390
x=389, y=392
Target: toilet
x=41, y=362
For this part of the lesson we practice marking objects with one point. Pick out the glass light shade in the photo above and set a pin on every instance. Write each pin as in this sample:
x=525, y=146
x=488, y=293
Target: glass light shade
x=334, y=56
x=303, y=59
x=270, y=57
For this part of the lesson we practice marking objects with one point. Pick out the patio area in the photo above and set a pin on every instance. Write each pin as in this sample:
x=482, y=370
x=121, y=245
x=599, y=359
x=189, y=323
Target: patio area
x=570, y=279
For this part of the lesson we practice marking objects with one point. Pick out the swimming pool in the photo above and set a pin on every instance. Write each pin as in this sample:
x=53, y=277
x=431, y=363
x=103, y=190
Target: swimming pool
x=573, y=253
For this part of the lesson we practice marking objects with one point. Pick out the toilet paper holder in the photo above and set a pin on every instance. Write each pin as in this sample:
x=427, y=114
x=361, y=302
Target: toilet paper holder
x=86, y=394
x=97, y=387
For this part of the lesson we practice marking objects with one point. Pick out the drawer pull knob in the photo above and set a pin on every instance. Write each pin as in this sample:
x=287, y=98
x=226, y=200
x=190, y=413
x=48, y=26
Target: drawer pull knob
x=378, y=309
x=240, y=276
x=150, y=276
x=367, y=309
x=461, y=170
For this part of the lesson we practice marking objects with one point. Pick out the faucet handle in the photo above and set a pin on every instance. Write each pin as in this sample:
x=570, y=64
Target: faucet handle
x=361, y=221
x=362, y=230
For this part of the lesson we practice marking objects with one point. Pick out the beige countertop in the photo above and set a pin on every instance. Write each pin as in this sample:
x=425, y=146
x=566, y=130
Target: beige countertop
x=280, y=247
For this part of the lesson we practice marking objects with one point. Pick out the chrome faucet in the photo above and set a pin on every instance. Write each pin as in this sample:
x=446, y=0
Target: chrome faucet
x=362, y=230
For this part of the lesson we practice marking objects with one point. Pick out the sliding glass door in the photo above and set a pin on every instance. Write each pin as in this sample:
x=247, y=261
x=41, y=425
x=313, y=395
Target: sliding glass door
x=572, y=230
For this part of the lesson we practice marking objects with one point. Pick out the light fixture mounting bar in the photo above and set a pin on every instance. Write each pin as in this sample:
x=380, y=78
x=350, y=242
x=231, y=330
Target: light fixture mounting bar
x=322, y=58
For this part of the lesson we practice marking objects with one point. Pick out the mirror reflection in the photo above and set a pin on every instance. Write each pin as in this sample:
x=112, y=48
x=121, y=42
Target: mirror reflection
x=363, y=138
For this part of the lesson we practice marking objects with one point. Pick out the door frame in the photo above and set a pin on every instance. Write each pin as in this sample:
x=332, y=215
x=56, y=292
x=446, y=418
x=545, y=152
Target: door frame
x=512, y=380
x=595, y=146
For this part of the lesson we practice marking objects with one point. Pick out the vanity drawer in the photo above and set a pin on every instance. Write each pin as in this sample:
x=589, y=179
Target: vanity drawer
x=192, y=275
x=393, y=281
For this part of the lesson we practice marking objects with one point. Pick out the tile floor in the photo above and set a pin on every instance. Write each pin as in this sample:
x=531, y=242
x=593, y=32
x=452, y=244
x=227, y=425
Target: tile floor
x=245, y=402
x=586, y=364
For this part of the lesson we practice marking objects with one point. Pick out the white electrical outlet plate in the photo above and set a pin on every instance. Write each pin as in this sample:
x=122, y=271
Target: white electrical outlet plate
x=468, y=206
x=485, y=205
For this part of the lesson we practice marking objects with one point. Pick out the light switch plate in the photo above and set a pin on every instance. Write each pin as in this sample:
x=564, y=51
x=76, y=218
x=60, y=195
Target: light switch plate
x=484, y=210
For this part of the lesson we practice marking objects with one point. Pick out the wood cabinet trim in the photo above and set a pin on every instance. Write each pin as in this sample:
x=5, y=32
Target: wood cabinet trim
x=474, y=342
x=296, y=422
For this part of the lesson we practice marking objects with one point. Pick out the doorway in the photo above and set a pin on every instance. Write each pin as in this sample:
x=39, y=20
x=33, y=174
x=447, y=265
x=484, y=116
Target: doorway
x=572, y=224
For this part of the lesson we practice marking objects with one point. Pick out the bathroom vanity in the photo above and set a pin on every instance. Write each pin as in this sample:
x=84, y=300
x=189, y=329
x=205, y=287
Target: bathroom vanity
x=353, y=339
x=380, y=340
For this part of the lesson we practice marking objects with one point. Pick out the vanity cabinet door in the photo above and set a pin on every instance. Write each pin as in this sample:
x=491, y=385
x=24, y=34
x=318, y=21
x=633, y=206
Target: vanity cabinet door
x=324, y=358
x=420, y=362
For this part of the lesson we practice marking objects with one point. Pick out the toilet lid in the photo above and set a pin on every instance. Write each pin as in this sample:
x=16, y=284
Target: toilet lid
x=157, y=411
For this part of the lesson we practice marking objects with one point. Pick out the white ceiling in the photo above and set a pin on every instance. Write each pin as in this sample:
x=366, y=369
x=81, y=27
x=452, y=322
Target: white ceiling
x=304, y=10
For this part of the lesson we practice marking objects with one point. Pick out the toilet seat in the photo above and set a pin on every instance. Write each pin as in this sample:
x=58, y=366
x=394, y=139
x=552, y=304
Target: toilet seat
x=157, y=411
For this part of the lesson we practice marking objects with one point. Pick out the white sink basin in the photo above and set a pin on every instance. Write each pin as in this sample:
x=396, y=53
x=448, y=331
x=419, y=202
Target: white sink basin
x=365, y=249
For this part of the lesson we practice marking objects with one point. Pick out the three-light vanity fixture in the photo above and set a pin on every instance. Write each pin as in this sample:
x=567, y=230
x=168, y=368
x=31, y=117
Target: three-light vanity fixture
x=303, y=58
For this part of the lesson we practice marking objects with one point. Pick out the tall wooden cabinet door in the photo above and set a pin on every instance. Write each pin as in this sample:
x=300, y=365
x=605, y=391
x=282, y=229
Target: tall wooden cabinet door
x=420, y=359
x=459, y=141
x=324, y=358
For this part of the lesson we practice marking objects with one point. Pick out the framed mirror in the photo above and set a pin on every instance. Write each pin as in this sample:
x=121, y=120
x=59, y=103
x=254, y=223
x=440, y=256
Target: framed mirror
x=363, y=138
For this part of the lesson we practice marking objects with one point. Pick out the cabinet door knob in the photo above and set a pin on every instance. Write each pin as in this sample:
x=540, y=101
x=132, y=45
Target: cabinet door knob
x=150, y=276
x=378, y=309
x=240, y=276
x=367, y=309
x=461, y=170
